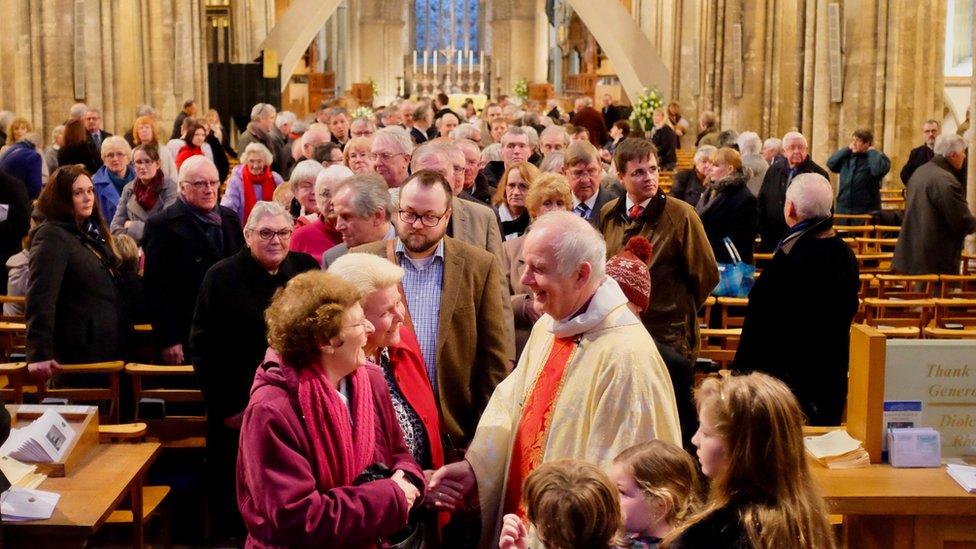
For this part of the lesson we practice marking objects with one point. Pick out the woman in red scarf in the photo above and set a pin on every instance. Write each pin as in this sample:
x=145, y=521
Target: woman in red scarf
x=318, y=233
x=251, y=181
x=148, y=193
x=318, y=417
x=198, y=135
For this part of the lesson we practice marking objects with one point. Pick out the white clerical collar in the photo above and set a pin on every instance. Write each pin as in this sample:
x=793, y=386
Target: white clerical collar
x=608, y=296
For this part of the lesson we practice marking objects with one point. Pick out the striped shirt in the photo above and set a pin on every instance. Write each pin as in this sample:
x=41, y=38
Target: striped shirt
x=422, y=288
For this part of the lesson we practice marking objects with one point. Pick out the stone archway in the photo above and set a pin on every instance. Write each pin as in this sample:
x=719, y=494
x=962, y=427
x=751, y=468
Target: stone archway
x=295, y=30
x=635, y=60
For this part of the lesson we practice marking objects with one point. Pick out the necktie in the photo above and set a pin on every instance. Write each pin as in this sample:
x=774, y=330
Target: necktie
x=635, y=211
x=97, y=139
x=582, y=210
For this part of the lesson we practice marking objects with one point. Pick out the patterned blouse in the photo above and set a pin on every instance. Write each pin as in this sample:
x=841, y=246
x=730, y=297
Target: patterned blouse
x=414, y=433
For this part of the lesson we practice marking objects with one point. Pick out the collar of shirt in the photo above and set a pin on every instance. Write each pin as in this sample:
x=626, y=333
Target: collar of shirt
x=630, y=203
x=420, y=264
x=590, y=202
x=504, y=214
x=390, y=233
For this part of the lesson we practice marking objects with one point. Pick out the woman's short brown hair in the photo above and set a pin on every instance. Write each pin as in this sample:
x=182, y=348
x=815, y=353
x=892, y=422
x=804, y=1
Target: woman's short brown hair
x=546, y=187
x=527, y=170
x=572, y=504
x=306, y=314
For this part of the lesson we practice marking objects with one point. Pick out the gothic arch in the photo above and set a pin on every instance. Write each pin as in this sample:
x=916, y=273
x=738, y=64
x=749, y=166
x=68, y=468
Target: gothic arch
x=295, y=30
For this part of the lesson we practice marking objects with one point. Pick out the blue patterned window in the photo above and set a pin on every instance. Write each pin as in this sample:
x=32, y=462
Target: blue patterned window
x=436, y=29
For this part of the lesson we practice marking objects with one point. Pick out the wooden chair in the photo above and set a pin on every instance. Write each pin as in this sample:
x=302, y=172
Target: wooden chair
x=874, y=263
x=872, y=245
x=732, y=311
x=107, y=391
x=897, y=286
x=959, y=286
x=706, y=311
x=854, y=231
x=898, y=318
x=176, y=430
x=868, y=286
x=887, y=231
x=968, y=263
x=149, y=498
x=14, y=376
x=13, y=340
x=853, y=220
x=17, y=299
x=954, y=319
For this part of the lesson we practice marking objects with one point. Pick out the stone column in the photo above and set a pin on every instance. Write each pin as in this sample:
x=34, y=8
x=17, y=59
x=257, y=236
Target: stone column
x=513, y=43
x=380, y=43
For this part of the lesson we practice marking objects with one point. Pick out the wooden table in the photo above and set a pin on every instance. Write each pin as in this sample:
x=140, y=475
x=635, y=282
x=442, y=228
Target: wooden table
x=885, y=507
x=88, y=496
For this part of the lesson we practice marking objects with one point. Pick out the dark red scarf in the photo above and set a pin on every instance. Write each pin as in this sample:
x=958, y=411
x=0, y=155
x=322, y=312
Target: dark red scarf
x=266, y=180
x=343, y=443
x=147, y=193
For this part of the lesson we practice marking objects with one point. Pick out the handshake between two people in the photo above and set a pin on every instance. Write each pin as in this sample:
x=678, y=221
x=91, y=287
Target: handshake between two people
x=452, y=488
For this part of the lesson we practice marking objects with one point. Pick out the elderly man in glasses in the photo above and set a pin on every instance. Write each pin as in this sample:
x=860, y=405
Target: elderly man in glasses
x=228, y=341
x=181, y=243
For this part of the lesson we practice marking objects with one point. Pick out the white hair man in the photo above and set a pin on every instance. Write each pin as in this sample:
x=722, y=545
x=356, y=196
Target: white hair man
x=772, y=149
x=587, y=342
x=261, y=129
x=553, y=139
x=229, y=330
x=923, y=153
x=446, y=124
x=177, y=257
x=467, y=131
x=772, y=192
x=750, y=147
x=393, y=148
x=937, y=217
x=810, y=286
x=476, y=188
x=363, y=213
x=364, y=127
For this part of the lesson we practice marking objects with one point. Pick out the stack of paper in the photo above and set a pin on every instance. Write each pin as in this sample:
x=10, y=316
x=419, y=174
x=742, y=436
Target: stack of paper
x=965, y=475
x=45, y=440
x=20, y=474
x=20, y=504
x=837, y=450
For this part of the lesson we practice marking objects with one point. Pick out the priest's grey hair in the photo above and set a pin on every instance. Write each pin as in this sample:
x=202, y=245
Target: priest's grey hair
x=575, y=241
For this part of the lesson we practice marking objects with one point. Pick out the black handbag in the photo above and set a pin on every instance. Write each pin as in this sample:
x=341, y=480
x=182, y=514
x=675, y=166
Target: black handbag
x=411, y=537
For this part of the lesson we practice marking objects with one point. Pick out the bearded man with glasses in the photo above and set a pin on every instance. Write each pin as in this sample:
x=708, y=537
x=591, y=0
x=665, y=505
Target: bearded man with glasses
x=228, y=340
x=181, y=243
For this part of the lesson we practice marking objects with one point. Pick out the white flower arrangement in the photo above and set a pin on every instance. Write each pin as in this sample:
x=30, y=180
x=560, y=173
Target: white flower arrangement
x=362, y=112
x=642, y=115
x=522, y=89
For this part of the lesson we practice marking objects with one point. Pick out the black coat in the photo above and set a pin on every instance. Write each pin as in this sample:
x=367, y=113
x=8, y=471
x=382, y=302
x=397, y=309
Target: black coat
x=75, y=312
x=797, y=324
x=772, y=199
x=687, y=187
x=722, y=528
x=228, y=338
x=13, y=194
x=666, y=142
x=79, y=154
x=918, y=156
x=96, y=150
x=733, y=213
x=220, y=157
x=178, y=254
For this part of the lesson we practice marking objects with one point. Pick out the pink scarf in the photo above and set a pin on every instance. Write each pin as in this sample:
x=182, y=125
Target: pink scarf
x=343, y=444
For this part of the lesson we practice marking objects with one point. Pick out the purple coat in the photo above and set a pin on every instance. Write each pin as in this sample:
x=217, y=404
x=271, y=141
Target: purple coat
x=277, y=490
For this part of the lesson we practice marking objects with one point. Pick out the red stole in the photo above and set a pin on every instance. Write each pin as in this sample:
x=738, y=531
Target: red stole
x=533, y=427
x=248, y=181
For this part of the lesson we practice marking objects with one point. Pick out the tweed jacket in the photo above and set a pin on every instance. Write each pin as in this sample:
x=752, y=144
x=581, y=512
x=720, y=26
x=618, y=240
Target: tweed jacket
x=474, y=339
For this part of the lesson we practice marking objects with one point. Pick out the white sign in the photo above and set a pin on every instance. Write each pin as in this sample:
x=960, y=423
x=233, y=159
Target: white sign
x=942, y=375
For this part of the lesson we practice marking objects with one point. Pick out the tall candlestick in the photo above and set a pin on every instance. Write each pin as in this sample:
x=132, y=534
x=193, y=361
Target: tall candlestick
x=415, y=61
x=459, y=58
x=435, y=63
x=481, y=60
x=425, y=61
x=471, y=61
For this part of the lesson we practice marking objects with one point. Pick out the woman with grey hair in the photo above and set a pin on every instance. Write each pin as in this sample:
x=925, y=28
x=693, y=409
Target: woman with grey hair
x=691, y=183
x=754, y=165
x=228, y=336
x=252, y=181
x=304, y=207
x=51, y=152
x=320, y=235
x=114, y=175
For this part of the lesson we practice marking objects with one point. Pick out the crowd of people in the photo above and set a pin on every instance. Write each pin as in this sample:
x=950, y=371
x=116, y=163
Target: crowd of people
x=444, y=327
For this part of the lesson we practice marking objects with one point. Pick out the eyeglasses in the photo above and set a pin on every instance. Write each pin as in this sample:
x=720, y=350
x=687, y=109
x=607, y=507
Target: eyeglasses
x=580, y=174
x=115, y=154
x=385, y=157
x=642, y=173
x=267, y=234
x=203, y=184
x=428, y=220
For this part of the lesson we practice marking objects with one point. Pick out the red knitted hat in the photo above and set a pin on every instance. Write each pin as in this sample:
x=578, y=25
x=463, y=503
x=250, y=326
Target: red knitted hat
x=630, y=269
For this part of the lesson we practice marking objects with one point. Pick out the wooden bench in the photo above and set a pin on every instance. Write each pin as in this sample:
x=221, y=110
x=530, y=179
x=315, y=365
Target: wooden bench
x=172, y=430
x=898, y=318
